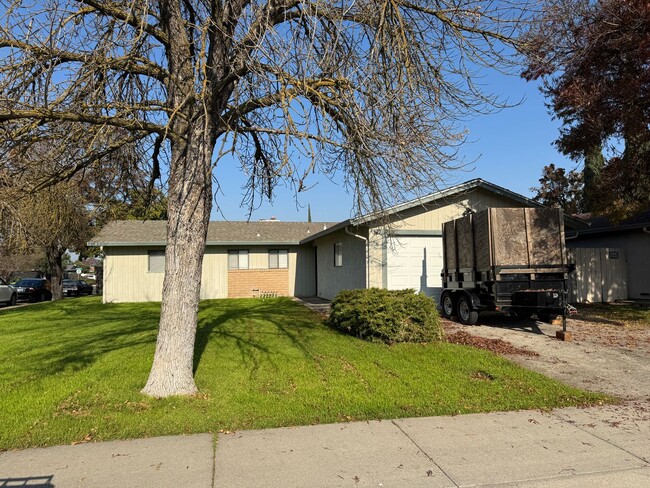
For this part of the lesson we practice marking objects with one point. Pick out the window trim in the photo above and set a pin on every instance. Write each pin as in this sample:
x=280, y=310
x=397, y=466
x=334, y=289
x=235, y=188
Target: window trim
x=238, y=253
x=155, y=253
x=338, y=254
x=278, y=253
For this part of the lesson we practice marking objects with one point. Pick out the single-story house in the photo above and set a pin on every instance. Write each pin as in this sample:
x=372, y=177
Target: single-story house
x=625, y=244
x=400, y=249
x=242, y=259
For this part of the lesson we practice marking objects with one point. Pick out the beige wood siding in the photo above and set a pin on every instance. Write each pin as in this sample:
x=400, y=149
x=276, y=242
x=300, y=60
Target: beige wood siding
x=127, y=279
x=431, y=217
x=600, y=275
x=126, y=276
x=636, y=245
x=377, y=248
x=214, y=278
x=427, y=218
x=352, y=275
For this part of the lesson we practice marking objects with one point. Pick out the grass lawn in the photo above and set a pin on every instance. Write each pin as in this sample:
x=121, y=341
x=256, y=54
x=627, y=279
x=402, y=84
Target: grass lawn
x=621, y=314
x=72, y=371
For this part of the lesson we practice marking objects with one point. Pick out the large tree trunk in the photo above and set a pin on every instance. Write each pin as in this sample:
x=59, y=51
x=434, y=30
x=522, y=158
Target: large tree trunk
x=190, y=202
x=55, y=264
x=188, y=207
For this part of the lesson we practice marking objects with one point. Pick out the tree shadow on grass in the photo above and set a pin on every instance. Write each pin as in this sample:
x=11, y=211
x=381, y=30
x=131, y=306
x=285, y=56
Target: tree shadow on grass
x=597, y=320
x=66, y=337
x=256, y=328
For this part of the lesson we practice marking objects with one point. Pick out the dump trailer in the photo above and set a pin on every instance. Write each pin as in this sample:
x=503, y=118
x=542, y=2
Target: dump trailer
x=511, y=260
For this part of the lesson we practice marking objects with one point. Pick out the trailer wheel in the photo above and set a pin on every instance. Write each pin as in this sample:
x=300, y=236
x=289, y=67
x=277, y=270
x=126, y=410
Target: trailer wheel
x=447, y=305
x=466, y=314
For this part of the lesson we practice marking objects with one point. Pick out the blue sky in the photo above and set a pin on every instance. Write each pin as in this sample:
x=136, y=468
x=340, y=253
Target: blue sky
x=509, y=148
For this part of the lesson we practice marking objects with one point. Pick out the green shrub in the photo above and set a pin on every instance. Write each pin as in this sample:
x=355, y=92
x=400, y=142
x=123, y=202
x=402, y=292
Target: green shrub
x=388, y=316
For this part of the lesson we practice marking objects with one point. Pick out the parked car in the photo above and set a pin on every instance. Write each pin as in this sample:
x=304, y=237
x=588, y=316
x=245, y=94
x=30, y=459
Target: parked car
x=76, y=288
x=33, y=289
x=85, y=287
x=8, y=293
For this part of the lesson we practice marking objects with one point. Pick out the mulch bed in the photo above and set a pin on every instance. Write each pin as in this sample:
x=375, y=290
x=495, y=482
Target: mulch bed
x=497, y=346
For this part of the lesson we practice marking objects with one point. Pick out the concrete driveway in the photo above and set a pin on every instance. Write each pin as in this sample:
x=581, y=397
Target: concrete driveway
x=604, y=358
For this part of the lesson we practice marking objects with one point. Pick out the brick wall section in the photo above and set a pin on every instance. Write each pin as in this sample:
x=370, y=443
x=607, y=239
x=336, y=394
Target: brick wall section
x=244, y=283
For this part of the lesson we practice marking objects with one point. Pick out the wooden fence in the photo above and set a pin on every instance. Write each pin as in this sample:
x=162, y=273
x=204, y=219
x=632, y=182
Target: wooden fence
x=600, y=275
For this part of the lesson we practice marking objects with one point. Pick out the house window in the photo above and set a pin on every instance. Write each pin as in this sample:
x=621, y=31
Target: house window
x=238, y=259
x=278, y=258
x=156, y=261
x=338, y=254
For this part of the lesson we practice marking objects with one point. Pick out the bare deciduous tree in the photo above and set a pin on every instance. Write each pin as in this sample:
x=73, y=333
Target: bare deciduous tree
x=52, y=220
x=372, y=91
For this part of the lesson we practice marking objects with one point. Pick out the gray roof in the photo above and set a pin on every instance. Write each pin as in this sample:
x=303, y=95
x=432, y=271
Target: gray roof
x=439, y=195
x=153, y=233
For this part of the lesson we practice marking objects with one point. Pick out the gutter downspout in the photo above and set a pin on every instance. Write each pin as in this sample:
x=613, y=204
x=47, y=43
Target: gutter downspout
x=364, y=239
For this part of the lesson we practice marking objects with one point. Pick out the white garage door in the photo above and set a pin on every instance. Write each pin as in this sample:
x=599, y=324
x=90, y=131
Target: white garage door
x=415, y=262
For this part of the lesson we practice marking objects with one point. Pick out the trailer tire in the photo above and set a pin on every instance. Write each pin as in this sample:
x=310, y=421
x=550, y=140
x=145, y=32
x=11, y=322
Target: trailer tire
x=466, y=314
x=447, y=305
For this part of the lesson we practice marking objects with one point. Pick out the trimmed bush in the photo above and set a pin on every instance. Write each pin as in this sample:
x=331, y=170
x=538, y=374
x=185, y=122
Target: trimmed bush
x=388, y=316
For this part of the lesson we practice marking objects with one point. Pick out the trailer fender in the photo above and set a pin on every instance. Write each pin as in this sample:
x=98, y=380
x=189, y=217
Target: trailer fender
x=473, y=298
x=476, y=301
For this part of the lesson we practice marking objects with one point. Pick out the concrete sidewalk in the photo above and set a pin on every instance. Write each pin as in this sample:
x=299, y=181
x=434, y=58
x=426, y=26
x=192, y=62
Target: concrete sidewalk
x=566, y=448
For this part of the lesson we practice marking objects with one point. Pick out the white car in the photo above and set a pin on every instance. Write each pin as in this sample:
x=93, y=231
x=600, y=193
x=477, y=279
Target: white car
x=8, y=293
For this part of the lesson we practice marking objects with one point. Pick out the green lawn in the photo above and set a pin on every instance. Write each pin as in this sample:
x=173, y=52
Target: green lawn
x=72, y=371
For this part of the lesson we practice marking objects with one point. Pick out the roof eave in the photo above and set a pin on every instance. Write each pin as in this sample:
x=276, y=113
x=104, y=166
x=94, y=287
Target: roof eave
x=125, y=244
x=329, y=230
x=454, y=190
x=620, y=228
x=208, y=243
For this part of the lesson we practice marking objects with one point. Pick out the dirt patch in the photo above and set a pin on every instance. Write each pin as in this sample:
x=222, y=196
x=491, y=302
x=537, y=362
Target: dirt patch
x=611, y=334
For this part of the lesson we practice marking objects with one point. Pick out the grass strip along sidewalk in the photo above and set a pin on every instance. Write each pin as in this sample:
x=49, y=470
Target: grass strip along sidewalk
x=72, y=372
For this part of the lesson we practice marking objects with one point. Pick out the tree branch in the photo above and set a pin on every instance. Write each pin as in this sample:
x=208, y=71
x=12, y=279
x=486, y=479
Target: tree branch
x=299, y=87
x=111, y=10
x=43, y=114
x=130, y=64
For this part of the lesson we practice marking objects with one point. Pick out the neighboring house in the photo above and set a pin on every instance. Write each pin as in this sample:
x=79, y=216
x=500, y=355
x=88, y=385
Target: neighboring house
x=627, y=241
x=402, y=249
x=91, y=264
